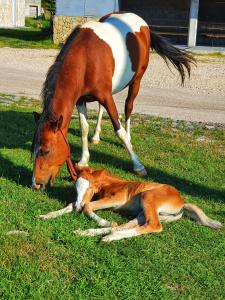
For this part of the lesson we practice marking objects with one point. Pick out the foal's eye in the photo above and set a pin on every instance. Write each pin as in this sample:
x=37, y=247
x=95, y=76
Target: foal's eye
x=43, y=152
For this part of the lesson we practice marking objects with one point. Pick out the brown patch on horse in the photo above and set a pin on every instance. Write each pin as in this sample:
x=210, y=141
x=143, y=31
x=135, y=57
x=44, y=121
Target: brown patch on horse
x=92, y=77
x=138, y=45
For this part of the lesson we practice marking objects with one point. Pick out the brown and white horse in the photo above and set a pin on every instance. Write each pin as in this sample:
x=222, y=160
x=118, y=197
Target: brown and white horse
x=98, y=59
x=149, y=203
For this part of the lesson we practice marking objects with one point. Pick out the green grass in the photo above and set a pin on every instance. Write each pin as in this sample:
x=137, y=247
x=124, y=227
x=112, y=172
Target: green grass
x=185, y=261
x=26, y=38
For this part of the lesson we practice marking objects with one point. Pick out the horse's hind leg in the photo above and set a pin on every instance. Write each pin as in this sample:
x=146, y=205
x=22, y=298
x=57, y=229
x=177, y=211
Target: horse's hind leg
x=132, y=94
x=110, y=106
x=96, y=136
x=82, y=111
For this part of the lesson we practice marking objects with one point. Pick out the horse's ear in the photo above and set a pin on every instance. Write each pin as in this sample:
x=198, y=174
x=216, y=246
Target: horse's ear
x=36, y=116
x=56, y=125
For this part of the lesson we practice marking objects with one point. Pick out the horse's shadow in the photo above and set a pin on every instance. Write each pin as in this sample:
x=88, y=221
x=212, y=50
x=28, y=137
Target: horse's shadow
x=17, y=131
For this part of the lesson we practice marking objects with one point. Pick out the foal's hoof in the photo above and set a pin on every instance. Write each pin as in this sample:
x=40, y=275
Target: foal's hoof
x=141, y=172
x=95, y=142
x=114, y=224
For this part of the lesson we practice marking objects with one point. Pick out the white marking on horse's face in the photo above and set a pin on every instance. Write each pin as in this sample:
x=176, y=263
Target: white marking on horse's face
x=113, y=31
x=34, y=185
x=81, y=185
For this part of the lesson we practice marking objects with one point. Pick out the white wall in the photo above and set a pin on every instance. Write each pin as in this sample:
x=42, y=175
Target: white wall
x=12, y=13
x=95, y=8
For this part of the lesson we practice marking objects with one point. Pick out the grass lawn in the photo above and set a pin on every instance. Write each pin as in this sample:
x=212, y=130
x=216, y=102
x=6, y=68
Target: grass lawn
x=185, y=261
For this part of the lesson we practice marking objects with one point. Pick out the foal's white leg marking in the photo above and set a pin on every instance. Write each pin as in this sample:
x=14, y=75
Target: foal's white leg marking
x=81, y=185
x=119, y=235
x=82, y=111
x=101, y=222
x=138, y=167
x=128, y=129
x=57, y=213
x=96, y=136
x=93, y=231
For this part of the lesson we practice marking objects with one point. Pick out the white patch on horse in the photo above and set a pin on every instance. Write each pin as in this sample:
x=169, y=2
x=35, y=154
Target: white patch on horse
x=81, y=185
x=113, y=31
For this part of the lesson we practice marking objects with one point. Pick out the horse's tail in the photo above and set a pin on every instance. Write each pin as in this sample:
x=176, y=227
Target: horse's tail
x=197, y=214
x=179, y=58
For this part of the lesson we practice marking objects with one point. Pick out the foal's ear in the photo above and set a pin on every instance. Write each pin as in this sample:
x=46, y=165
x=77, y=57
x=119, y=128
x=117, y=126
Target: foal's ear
x=36, y=116
x=56, y=125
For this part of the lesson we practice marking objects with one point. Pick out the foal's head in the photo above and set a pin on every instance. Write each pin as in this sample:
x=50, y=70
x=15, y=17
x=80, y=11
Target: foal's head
x=50, y=150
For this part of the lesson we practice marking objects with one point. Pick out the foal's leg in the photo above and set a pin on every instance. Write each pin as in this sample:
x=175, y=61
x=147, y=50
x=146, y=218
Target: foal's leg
x=152, y=221
x=110, y=106
x=96, y=136
x=82, y=111
x=132, y=94
x=108, y=202
x=100, y=231
x=54, y=214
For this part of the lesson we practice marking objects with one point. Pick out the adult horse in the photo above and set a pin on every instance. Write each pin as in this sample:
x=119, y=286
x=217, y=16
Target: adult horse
x=98, y=59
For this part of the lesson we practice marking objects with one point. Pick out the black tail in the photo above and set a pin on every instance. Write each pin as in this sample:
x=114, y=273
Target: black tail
x=179, y=58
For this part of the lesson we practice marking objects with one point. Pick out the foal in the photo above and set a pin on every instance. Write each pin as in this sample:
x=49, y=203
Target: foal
x=148, y=202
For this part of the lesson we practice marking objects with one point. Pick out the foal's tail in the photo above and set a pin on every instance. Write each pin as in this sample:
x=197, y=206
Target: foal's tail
x=195, y=213
x=179, y=58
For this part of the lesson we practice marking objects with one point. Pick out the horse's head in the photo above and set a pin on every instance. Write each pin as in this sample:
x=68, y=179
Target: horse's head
x=50, y=150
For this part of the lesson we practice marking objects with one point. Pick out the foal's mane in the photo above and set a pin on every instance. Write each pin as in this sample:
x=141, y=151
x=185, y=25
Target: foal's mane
x=49, y=85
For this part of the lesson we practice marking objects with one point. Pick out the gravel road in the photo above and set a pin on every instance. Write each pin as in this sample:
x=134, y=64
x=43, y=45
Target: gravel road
x=201, y=99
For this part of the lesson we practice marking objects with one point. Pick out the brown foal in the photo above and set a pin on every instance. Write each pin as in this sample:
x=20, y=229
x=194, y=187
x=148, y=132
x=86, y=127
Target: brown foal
x=149, y=203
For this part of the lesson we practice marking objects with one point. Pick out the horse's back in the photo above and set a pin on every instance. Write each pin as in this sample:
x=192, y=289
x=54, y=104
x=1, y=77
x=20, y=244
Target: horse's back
x=123, y=33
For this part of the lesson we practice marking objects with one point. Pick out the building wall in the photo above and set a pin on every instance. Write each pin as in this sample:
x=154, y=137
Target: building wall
x=10, y=15
x=70, y=13
x=29, y=3
x=85, y=8
x=63, y=26
x=160, y=12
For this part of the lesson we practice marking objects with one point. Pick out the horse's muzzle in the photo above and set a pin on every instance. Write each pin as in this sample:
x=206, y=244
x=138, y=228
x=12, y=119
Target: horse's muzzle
x=36, y=186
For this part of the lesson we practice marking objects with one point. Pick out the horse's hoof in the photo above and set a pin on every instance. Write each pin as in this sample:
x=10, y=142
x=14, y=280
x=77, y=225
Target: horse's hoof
x=141, y=172
x=95, y=142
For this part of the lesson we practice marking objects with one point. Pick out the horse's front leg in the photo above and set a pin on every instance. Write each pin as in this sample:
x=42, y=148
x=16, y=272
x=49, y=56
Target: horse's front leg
x=82, y=111
x=122, y=134
x=96, y=136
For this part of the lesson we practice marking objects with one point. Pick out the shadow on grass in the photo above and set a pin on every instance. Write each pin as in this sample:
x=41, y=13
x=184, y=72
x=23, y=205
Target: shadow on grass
x=26, y=34
x=17, y=130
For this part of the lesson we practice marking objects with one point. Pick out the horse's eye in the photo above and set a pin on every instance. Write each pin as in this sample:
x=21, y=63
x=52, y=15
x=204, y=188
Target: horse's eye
x=43, y=152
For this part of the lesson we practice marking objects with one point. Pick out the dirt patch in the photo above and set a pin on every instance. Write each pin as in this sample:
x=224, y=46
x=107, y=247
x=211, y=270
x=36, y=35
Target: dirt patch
x=202, y=98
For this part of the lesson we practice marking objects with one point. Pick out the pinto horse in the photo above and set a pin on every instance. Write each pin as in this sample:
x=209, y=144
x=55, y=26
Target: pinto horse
x=98, y=60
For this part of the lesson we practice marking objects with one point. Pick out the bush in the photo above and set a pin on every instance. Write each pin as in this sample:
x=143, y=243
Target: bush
x=37, y=23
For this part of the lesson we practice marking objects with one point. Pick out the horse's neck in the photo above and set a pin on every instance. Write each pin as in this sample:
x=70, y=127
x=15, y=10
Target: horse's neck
x=64, y=107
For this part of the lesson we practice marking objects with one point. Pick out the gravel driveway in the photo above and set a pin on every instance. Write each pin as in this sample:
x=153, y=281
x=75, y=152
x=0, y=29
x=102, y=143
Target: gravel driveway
x=201, y=99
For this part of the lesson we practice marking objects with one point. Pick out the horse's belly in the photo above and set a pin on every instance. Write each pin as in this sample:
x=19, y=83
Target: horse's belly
x=114, y=32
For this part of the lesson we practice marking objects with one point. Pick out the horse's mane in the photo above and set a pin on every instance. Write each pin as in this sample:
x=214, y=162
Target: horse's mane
x=49, y=85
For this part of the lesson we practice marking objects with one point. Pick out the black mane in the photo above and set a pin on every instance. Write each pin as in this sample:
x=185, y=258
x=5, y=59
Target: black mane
x=49, y=85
